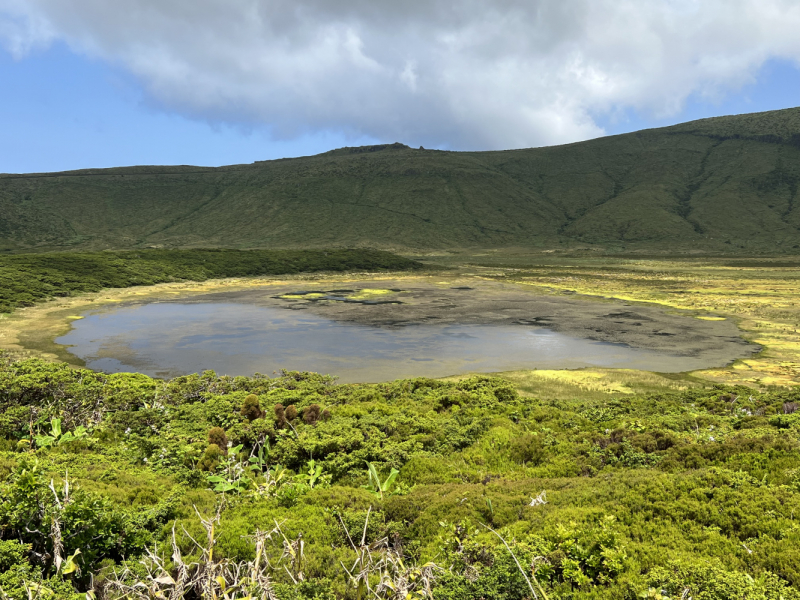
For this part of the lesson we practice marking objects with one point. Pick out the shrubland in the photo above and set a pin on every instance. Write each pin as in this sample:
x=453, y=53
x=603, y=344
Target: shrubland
x=297, y=487
x=29, y=278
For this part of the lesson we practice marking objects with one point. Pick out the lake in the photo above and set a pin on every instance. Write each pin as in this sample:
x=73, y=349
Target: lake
x=175, y=338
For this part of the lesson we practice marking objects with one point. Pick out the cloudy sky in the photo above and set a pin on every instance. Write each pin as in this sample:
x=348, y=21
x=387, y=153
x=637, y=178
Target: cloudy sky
x=99, y=83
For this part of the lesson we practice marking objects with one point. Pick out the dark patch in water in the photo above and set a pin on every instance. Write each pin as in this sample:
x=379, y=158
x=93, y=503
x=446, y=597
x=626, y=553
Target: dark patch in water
x=463, y=287
x=626, y=315
x=541, y=321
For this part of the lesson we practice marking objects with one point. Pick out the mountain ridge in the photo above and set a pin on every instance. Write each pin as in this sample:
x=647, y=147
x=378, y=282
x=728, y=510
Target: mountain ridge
x=718, y=185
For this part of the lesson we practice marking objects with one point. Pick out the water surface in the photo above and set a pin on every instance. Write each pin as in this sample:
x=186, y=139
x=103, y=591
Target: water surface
x=174, y=338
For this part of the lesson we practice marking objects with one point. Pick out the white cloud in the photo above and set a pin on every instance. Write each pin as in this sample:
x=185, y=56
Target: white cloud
x=474, y=74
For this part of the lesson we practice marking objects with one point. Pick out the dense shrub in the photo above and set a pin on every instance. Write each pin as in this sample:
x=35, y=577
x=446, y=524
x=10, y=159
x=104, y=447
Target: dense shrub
x=527, y=449
x=280, y=416
x=609, y=498
x=311, y=414
x=210, y=458
x=217, y=437
x=251, y=408
x=29, y=278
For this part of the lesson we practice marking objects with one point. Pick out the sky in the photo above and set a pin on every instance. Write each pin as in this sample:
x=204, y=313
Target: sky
x=92, y=83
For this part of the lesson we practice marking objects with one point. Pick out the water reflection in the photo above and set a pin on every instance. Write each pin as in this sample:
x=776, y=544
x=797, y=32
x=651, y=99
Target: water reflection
x=170, y=339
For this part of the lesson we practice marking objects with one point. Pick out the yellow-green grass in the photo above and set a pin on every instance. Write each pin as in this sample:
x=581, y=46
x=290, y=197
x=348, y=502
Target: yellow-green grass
x=762, y=298
x=303, y=296
x=369, y=293
x=593, y=384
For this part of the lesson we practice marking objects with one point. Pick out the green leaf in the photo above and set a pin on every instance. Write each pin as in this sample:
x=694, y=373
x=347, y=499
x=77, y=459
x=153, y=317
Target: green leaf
x=374, y=478
x=44, y=441
x=390, y=480
x=70, y=566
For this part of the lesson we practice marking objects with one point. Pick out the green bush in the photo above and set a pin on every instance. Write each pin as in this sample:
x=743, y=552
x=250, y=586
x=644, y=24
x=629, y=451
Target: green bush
x=210, y=458
x=527, y=449
x=710, y=580
x=217, y=437
x=610, y=498
x=29, y=278
x=251, y=408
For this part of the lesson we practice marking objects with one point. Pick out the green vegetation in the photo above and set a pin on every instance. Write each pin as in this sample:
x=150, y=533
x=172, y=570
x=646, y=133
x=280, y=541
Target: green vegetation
x=564, y=485
x=29, y=278
x=759, y=294
x=300, y=488
x=724, y=185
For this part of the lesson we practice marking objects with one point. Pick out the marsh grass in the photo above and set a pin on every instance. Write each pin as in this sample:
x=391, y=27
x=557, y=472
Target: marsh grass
x=761, y=296
x=595, y=384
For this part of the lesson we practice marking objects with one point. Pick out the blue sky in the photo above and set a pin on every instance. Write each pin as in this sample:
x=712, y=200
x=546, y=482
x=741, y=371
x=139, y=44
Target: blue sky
x=61, y=111
x=776, y=86
x=213, y=82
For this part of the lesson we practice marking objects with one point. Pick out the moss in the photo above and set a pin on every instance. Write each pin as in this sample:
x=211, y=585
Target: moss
x=251, y=408
x=217, y=437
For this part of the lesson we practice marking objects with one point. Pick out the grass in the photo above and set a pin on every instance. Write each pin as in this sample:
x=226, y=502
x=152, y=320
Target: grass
x=29, y=278
x=596, y=384
x=760, y=295
x=726, y=185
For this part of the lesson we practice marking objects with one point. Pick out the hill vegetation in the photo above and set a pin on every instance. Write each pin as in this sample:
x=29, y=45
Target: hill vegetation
x=29, y=278
x=724, y=185
x=297, y=488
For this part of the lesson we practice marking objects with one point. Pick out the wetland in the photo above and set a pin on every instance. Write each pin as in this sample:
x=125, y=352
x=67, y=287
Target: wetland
x=390, y=329
x=623, y=480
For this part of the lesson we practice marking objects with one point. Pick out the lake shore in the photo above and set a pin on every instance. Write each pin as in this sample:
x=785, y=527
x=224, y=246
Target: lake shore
x=441, y=298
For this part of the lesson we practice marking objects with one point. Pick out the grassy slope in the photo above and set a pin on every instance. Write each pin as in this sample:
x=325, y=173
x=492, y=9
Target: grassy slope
x=723, y=185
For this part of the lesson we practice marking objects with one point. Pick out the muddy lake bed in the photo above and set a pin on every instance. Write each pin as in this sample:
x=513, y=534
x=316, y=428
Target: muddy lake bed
x=383, y=330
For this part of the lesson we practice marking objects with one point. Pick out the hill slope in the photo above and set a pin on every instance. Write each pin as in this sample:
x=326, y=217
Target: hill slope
x=728, y=184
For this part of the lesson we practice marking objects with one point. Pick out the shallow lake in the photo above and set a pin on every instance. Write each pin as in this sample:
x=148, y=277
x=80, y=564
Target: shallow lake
x=174, y=338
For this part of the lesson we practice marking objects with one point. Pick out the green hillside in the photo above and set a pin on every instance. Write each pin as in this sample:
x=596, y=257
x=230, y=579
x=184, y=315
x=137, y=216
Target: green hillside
x=728, y=184
x=29, y=278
